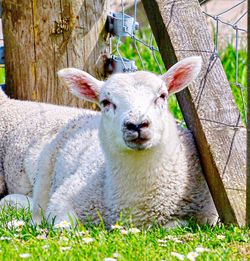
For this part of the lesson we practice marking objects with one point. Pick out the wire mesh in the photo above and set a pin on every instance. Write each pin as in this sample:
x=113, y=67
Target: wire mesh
x=235, y=25
x=136, y=41
x=229, y=47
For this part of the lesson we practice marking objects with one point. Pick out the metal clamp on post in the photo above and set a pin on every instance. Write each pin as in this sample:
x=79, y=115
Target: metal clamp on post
x=120, y=24
x=1, y=8
x=121, y=65
x=2, y=55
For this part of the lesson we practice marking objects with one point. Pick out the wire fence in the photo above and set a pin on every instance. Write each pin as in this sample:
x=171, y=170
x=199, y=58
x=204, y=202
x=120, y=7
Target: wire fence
x=128, y=41
x=127, y=26
x=237, y=45
x=131, y=43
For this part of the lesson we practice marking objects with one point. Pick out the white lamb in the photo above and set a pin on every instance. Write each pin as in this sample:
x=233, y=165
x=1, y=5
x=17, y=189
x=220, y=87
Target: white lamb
x=144, y=166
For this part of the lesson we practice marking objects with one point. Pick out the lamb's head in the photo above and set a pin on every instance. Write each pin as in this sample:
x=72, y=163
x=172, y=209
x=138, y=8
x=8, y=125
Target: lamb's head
x=133, y=105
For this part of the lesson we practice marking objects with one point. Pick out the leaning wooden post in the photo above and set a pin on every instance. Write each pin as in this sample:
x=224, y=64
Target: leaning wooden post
x=208, y=106
x=42, y=37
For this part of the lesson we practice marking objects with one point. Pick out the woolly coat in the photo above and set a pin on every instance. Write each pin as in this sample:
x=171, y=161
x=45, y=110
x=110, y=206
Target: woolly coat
x=87, y=182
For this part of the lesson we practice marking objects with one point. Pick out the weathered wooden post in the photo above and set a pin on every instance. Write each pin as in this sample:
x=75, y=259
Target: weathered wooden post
x=42, y=37
x=208, y=106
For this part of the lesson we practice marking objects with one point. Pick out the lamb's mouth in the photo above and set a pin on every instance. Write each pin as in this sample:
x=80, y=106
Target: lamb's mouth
x=138, y=143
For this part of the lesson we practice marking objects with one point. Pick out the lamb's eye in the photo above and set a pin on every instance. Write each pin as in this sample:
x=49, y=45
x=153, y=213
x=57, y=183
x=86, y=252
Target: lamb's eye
x=163, y=96
x=105, y=103
x=161, y=99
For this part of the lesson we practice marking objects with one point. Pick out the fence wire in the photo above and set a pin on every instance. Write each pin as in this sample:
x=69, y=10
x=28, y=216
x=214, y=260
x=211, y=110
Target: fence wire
x=224, y=20
x=239, y=33
x=130, y=30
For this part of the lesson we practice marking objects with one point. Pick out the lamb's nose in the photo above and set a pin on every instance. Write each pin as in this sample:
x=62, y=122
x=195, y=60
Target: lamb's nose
x=130, y=126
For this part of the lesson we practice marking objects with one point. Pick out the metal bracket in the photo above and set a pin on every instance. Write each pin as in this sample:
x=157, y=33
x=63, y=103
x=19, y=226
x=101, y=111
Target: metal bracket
x=3, y=87
x=1, y=8
x=120, y=65
x=120, y=24
x=2, y=55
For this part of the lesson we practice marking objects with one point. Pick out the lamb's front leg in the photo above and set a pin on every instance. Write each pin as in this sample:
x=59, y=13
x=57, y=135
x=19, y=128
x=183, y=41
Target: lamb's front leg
x=42, y=186
x=74, y=199
x=60, y=210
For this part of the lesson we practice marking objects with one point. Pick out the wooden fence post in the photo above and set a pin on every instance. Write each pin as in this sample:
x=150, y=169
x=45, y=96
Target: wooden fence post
x=42, y=37
x=208, y=106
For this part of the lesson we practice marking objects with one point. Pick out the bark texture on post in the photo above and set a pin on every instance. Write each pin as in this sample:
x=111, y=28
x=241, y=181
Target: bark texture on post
x=208, y=106
x=42, y=37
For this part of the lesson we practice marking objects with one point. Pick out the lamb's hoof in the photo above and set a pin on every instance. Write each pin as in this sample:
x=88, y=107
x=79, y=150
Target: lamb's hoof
x=176, y=223
x=36, y=219
x=65, y=221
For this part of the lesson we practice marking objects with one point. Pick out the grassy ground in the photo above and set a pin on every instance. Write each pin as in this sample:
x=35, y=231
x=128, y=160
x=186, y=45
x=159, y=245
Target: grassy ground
x=19, y=240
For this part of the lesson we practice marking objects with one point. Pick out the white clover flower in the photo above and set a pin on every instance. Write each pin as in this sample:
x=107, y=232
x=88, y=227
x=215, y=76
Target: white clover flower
x=115, y=255
x=174, y=239
x=5, y=238
x=178, y=255
x=42, y=230
x=63, y=224
x=87, y=240
x=201, y=249
x=65, y=248
x=45, y=246
x=192, y=256
x=24, y=255
x=124, y=231
x=64, y=239
x=43, y=237
x=162, y=241
x=15, y=224
x=80, y=233
x=116, y=226
x=134, y=230
x=109, y=259
x=220, y=237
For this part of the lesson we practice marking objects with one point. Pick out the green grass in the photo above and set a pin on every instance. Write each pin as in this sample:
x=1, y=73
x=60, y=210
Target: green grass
x=2, y=75
x=47, y=243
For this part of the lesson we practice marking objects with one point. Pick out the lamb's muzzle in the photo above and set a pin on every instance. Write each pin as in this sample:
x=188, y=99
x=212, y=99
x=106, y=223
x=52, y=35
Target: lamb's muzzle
x=137, y=135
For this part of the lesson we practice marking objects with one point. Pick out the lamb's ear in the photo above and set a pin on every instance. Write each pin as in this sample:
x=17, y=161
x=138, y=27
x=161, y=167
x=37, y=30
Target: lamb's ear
x=81, y=84
x=182, y=73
